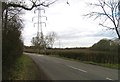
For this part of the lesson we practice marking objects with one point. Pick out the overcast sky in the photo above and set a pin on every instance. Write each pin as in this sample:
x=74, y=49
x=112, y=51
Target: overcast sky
x=72, y=28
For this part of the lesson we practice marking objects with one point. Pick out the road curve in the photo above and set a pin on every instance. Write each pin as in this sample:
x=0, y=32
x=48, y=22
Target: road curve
x=61, y=69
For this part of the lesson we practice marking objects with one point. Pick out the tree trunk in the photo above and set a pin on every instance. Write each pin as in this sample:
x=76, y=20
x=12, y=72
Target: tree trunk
x=118, y=33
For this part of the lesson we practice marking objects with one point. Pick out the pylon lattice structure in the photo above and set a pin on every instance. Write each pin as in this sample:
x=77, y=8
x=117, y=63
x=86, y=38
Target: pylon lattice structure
x=40, y=36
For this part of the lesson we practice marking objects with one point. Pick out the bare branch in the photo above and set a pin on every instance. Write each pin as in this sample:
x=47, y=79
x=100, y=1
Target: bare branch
x=5, y=5
x=108, y=5
x=118, y=23
x=15, y=14
x=51, y=3
x=24, y=7
x=111, y=11
x=96, y=14
x=117, y=16
x=106, y=14
x=106, y=26
x=91, y=4
x=105, y=19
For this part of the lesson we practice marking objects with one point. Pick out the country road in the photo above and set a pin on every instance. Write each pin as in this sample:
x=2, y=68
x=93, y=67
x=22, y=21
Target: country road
x=61, y=69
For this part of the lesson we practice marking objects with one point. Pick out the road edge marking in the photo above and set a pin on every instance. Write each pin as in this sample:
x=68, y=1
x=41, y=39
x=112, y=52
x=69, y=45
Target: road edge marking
x=108, y=78
x=77, y=68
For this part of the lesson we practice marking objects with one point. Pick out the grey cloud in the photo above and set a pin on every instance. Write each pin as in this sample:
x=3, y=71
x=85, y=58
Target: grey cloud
x=70, y=35
x=105, y=33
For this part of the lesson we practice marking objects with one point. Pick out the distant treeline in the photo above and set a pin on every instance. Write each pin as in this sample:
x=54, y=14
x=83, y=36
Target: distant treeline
x=102, y=45
x=33, y=47
x=105, y=51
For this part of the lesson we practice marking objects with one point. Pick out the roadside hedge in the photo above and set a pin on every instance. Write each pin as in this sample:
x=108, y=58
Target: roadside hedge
x=110, y=57
x=98, y=57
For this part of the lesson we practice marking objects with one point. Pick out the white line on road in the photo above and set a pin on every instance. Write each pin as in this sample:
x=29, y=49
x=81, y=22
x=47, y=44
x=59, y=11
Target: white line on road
x=76, y=68
x=108, y=78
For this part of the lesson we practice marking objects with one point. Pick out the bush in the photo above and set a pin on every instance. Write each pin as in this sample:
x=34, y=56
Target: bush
x=12, y=45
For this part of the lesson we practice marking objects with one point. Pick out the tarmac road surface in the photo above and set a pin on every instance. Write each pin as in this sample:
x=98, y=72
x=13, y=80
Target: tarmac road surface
x=61, y=69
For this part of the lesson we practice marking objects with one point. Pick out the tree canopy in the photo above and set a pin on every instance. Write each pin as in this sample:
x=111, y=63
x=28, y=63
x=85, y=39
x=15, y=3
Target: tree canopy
x=106, y=45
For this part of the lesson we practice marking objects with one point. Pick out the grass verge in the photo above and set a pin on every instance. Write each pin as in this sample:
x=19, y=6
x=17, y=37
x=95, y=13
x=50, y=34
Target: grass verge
x=25, y=69
x=113, y=66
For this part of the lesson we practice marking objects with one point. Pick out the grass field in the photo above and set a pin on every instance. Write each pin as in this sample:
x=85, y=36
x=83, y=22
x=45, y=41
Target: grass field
x=24, y=69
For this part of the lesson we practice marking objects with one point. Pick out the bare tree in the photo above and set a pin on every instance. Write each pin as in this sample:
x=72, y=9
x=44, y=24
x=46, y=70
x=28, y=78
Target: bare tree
x=35, y=41
x=44, y=43
x=110, y=11
x=50, y=39
x=22, y=5
x=38, y=43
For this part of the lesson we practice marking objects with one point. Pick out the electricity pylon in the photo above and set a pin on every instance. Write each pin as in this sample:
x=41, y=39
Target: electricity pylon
x=40, y=36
